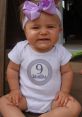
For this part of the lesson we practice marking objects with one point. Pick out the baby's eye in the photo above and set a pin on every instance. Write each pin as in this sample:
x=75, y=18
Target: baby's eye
x=52, y=26
x=35, y=27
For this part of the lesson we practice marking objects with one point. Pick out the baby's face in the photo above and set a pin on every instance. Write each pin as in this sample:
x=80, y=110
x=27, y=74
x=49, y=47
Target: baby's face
x=43, y=32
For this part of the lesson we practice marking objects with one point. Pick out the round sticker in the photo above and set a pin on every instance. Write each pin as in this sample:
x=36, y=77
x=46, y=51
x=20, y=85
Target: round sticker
x=39, y=72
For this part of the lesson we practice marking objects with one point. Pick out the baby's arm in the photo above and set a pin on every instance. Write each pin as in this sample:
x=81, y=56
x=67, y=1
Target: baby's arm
x=67, y=78
x=13, y=81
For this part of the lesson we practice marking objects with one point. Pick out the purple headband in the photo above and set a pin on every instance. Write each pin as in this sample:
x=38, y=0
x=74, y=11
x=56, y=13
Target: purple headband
x=32, y=11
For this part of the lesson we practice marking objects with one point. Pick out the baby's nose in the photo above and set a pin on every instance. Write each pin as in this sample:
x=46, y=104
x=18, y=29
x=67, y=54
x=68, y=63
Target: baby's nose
x=44, y=31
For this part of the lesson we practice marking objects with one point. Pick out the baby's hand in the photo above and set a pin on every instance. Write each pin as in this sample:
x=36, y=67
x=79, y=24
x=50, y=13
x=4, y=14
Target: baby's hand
x=15, y=96
x=62, y=99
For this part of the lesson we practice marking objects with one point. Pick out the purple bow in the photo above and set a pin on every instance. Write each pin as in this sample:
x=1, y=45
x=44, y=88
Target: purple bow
x=32, y=10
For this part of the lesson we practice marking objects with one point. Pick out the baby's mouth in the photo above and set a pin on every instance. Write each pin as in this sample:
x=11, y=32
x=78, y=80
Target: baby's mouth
x=44, y=39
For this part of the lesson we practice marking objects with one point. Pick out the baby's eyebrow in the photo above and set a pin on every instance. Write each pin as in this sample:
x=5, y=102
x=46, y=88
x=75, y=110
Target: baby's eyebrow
x=51, y=23
x=36, y=25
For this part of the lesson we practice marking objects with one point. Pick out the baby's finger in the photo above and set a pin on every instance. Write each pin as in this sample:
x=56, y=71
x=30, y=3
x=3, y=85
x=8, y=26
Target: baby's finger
x=65, y=102
x=10, y=98
x=62, y=102
x=16, y=100
x=58, y=102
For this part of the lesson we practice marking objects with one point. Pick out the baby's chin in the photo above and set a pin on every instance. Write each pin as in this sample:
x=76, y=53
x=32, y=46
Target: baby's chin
x=43, y=48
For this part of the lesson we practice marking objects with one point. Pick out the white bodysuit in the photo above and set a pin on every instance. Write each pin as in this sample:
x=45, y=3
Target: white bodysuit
x=40, y=77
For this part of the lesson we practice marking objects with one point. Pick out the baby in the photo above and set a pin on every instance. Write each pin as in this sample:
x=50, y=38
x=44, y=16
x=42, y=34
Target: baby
x=39, y=74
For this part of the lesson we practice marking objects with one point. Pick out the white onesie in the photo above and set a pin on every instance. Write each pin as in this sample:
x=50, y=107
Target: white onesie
x=40, y=77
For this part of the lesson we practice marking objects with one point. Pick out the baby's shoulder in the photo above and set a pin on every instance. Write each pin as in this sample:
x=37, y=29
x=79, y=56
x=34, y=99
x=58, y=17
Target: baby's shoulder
x=60, y=47
x=22, y=44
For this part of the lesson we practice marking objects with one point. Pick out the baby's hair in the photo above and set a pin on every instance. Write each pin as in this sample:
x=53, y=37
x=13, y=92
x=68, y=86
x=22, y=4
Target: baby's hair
x=22, y=16
x=34, y=1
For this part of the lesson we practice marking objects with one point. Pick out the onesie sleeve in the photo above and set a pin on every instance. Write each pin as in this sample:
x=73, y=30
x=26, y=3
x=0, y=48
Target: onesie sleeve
x=15, y=54
x=65, y=55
